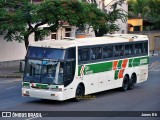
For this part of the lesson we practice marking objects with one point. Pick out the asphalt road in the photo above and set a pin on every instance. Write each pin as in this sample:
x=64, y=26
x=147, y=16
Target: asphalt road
x=144, y=97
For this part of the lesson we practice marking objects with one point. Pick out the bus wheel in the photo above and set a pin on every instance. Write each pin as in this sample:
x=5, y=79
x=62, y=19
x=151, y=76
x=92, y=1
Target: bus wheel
x=79, y=93
x=125, y=83
x=132, y=82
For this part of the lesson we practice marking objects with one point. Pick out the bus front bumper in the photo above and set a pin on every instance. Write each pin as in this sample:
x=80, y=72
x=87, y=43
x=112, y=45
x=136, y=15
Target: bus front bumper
x=43, y=94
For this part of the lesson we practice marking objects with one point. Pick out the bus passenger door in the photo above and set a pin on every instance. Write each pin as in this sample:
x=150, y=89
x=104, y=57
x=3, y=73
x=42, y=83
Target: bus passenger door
x=69, y=72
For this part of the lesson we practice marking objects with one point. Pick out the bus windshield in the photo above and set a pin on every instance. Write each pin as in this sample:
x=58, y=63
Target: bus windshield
x=44, y=71
x=42, y=53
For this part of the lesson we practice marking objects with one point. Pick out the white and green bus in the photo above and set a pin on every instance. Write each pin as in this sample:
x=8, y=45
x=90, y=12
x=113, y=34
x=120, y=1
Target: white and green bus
x=70, y=68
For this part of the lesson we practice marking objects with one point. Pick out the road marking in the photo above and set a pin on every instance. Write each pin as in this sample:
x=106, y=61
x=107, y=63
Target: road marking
x=11, y=87
x=150, y=65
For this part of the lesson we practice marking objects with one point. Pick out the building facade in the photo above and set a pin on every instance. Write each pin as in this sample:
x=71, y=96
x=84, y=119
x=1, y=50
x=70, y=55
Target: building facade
x=10, y=51
x=106, y=5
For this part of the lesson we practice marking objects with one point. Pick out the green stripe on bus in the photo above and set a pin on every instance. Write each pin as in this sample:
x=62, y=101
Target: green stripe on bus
x=43, y=86
x=79, y=69
x=95, y=68
x=26, y=83
x=130, y=62
x=119, y=64
x=116, y=74
x=138, y=61
x=107, y=66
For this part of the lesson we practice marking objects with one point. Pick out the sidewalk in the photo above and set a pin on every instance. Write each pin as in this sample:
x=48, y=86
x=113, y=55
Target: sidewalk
x=10, y=72
x=155, y=53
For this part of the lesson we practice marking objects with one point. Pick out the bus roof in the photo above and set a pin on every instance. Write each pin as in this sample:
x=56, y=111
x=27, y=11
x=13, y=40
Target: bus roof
x=72, y=42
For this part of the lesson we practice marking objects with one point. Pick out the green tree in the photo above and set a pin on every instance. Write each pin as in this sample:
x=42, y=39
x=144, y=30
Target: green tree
x=138, y=8
x=107, y=24
x=19, y=19
x=146, y=9
x=116, y=13
x=154, y=15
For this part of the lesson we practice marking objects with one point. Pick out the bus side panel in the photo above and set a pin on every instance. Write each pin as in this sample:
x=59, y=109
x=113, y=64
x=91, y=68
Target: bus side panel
x=143, y=74
x=106, y=81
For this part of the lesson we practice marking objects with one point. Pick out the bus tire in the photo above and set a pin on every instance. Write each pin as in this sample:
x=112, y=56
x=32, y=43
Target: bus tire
x=125, y=83
x=79, y=93
x=132, y=82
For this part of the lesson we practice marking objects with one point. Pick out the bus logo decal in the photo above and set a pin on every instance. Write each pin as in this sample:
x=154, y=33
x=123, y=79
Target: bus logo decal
x=82, y=70
x=119, y=67
x=115, y=63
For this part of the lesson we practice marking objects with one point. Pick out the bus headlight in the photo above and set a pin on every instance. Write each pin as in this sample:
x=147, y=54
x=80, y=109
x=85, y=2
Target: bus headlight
x=28, y=87
x=25, y=93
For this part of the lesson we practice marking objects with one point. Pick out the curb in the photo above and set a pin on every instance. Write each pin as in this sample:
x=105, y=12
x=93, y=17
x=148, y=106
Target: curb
x=154, y=54
x=11, y=76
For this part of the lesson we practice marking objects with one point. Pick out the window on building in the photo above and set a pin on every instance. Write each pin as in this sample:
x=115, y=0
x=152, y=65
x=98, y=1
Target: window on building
x=137, y=28
x=54, y=36
x=68, y=32
x=67, y=35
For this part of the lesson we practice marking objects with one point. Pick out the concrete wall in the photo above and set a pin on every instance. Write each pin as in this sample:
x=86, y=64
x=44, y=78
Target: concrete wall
x=154, y=38
x=11, y=50
x=14, y=51
x=122, y=25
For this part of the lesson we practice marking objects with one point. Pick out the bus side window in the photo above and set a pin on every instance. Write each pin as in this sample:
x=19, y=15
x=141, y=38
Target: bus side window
x=83, y=54
x=80, y=53
x=98, y=53
x=138, y=48
x=71, y=53
x=116, y=51
x=107, y=52
x=129, y=49
x=145, y=47
x=86, y=54
x=93, y=53
x=121, y=50
x=110, y=51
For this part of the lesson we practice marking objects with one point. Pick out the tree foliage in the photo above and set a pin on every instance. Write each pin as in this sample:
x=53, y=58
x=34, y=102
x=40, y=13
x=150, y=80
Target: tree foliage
x=20, y=18
x=146, y=9
x=116, y=13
